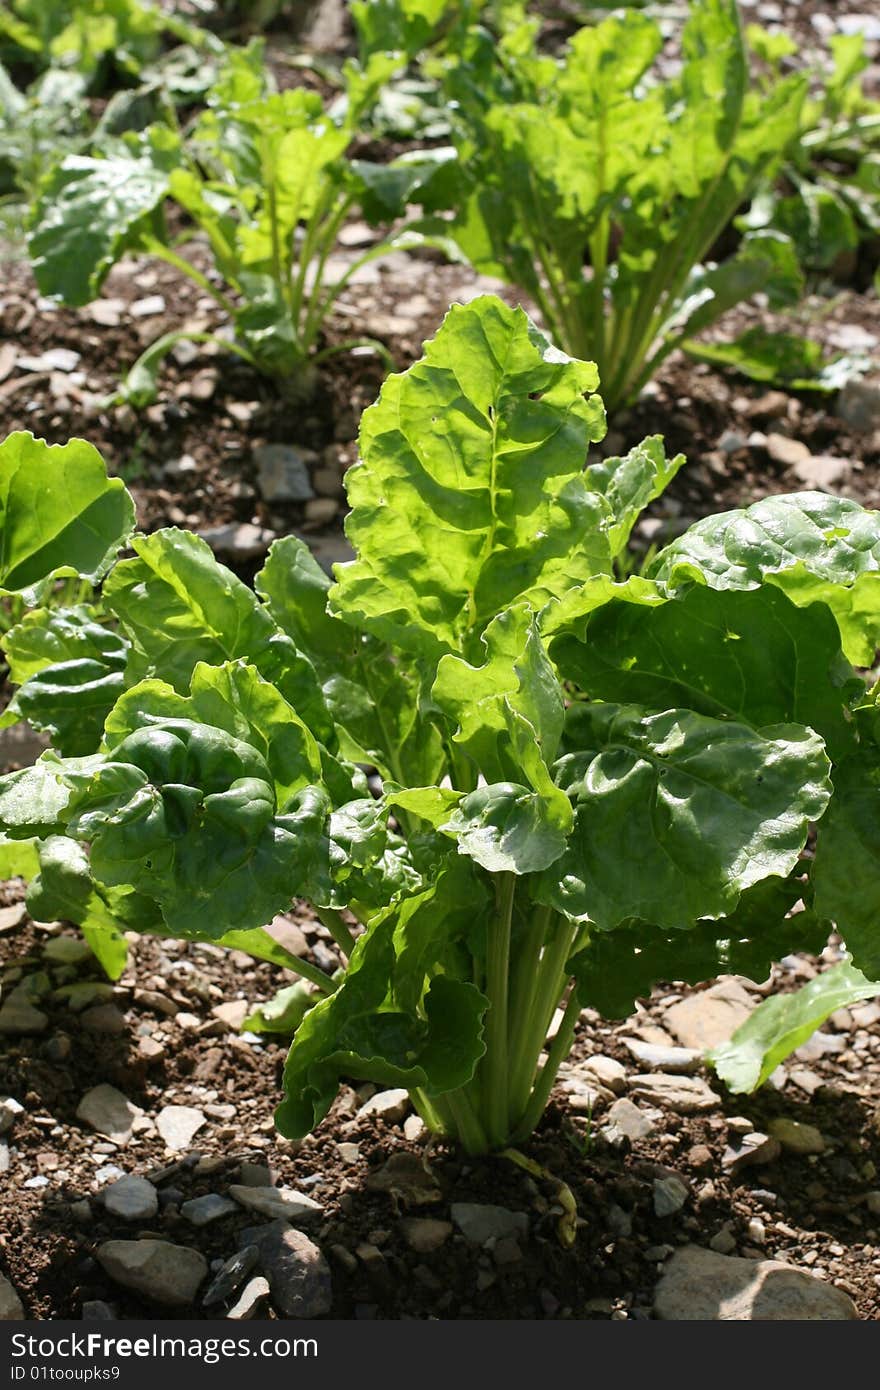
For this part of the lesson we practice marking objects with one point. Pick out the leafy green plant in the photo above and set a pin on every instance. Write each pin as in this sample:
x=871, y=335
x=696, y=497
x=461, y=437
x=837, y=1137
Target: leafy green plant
x=94, y=37
x=827, y=195
x=587, y=785
x=601, y=188
x=265, y=179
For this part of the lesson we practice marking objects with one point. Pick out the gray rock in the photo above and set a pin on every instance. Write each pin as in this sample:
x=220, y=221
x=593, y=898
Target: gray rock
x=788, y=452
x=104, y=1018
x=752, y=1150
x=480, y=1222
x=795, y=1137
x=627, y=1121
x=606, y=1071
x=166, y=1273
x=231, y=1275
x=255, y=1174
x=252, y=1295
x=14, y=915
x=391, y=1106
x=281, y=1203
x=670, y=1195
x=10, y=1109
x=723, y=1242
x=675, y=1060
x=201, y=1211
x=299, y=1276
x=424, y=1233
x=177, y=1124
x=688, y=1095
x=245, y=540
x=18, y=1018
x=96, y=1310
x=66, y=950
x=4, y=1156
x=711, y=1017
x=702, y=1286
x=109, y=1112
x=859, y=404
x=11, y=1309
x=584, y=1092
x=132, y=1198
x=283, y=472
x=822, y=472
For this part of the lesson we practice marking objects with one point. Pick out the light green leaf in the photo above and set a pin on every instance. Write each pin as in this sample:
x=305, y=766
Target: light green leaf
x=705, y=807
x=471, y=491
x=65, y=889
x=783, y=1023
x=284, y=1012
x=59, y=512
x=18, y=859
x=628, y=484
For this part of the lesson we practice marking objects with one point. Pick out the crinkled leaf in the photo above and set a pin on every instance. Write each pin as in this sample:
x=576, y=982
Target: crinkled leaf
x=65, y=889
x=783, y=1023
x=705, y=807
x=628, y=484
x=59, y=512
x=510, y=829
x=471, y=491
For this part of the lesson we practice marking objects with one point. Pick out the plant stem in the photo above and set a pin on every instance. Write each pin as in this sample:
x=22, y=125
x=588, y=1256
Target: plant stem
x=559, y=1050
x=497, y=972
x=550, y=980
x=337, y=928
x=156, y=248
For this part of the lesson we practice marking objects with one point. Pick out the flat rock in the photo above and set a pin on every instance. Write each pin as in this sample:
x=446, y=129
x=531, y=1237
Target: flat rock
x=858, y=403
x=18, y=1018
x=627, y=1121
x=281, y=1203
x=751, y=1150
x=201, y=1211
x=711, y=1017
x=796, y=1137
x=132, y=1198
x=283, y=472
x=231, y=1276
x=109, y=1112
x=675, y=1060
x=104, y=1018
x=166, y=1273
x=584, y=1091
x=177, y=1124
x=233, y=1013
x=670, y=1195
x=66, y=950
x=11, y=917
x=11, y=1309
x=823, y=472
x=701, y=1286
x=688, y=1095
x=299, y=1276
x=424, y=1233
x=480, y=1222
x=788, y=452
x=608, y=1072
x=10, y=1109
x=252, y=1295
x=391, y=1106
x=406, y=1179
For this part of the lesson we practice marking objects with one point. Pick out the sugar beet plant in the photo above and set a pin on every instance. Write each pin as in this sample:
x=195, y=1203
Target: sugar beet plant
x=587, y=784
x=601, y=187
x=265, y=179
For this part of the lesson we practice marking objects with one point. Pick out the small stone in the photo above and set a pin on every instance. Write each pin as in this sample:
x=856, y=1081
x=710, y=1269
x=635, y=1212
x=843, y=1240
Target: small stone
x=252, y=1295
x=406, y=1179
x=670, y=1195
x=283, y=472
x=607, y=1072
x=11, y=1309
x=18, y=1018
x=675, y=1060
x=177, y=1124
x=12, y=917
x=203, y=385
x=233, y=1013
x=245, y=541
x=482, y=1222
x=773, y=405
x=872, y=1202
x=107, y=313
x=5, y=1161
x=731, y=441
x=255, y=1174
x=39, y=1181
x=786, y=451
x=104, y=1018
x=159, y=1003
x=66, y=950
x=10, y=1109
x=280, y=1203
x=710, y=1017
x=321, y=511
x=700, y=1285
x=688, y=1095
x=96, y=1310
x=349, y=1153
x=723, y=1242
x=391, y=1106
x=150, y=1049
x=822, y=472
x=753, y=1149
x=201, y=1211
x=858, y=403
x=507, y=1252
x=109, y=1112
x=425, y=1234
x=231, y=1275
x=700, y=1156
x=797, y=1137
x=627, y=1121
x=756, y=1231
x=166, y=1273
x=132, y=1198
x=415, y=1129
x=806, y=1080
x=299, y=1276
x=148, y=307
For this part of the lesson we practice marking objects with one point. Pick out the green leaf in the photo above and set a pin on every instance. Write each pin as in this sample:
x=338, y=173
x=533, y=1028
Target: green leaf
x=628, y=484
x=786, y=359
x=705, y=807
x=284, y=1012
x=18, y=859
x=90, y=211
x=33, y=799
x=816, y=547
x=471, y=491
x=59, y=512
x=748, y=655
x=617, y=968
x=783, y=1023
x=509, y=829
x=73, y=671
x=65, y=889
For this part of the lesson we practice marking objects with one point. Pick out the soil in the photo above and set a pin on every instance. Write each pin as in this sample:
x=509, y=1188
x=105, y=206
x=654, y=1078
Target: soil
x=190, y=461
